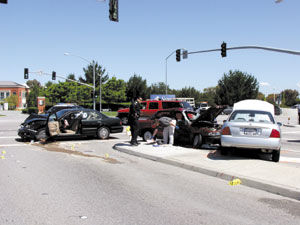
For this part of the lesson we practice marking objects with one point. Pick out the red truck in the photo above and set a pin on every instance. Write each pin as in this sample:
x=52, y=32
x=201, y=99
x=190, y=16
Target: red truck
x=149, y=107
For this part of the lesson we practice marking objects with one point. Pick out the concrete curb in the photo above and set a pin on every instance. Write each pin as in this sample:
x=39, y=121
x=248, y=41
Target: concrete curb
x=273, y=188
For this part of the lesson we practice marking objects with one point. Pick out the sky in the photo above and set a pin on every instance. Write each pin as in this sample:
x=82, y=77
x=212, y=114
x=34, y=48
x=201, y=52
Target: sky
x=35, y=34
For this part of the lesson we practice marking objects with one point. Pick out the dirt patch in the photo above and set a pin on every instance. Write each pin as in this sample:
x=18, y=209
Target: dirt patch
x=54, y=147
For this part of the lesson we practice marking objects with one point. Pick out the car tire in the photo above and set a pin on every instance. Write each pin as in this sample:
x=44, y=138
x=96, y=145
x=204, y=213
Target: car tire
x=197, y=141
x=41, y=134
x=103, y=133
x=275, y=155
x=124, y=120
x=147, y=135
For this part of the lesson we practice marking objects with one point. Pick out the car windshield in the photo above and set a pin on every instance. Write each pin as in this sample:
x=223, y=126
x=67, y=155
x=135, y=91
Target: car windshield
x=251, y=116
x=186, y=105
x=203, y=105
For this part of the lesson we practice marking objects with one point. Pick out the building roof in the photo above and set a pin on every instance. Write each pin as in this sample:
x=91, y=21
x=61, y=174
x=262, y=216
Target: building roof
x=11, y=84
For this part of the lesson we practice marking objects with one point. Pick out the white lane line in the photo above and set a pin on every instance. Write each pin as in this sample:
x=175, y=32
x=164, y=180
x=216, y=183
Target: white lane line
x=13, y=145
x=289, y=159
x=9, y=137
x=291, y=132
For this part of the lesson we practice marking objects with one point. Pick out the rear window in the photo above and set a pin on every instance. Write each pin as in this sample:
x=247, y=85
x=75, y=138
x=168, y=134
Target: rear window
x=251, y=116
x=170, y=105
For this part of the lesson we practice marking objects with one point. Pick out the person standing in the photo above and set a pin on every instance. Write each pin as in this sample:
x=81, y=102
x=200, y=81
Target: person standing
x=168, y=132
x=134, y=114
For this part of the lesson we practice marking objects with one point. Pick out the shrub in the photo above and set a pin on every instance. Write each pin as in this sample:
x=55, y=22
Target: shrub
x=32, y=110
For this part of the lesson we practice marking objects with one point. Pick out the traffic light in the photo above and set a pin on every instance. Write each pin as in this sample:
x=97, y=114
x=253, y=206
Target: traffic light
x=26, y=73
x=3, y=1
x=53, y=75
x=114, y=10
x=223, y=49
x=178, y=55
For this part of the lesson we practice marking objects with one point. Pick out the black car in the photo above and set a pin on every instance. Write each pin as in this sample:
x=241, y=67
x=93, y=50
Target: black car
x=53, y=109
x=71, y=122
x=194, y=129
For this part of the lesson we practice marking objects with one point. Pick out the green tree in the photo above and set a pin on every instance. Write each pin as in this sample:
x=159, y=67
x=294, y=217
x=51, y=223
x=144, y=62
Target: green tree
x=260, y=96
x=71, y=76
x=12, y=101
x=236, y=86
x=158, y=88
x=136, y=86
x=35, y=91
x=88, y=74
x=208, y=95
x=114, y=90
x=290, y=97
x=189, y=92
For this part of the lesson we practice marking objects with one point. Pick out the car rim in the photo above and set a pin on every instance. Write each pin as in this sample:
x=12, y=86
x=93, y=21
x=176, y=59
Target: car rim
x=197, y=140
x=103, y=133
x=147, y=135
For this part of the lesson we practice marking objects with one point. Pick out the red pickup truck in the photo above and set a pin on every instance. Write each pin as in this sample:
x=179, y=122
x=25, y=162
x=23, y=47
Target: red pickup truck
x=149, y=107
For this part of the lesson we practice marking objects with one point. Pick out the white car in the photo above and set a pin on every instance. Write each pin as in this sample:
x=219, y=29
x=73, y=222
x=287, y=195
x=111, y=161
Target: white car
x=251, y=125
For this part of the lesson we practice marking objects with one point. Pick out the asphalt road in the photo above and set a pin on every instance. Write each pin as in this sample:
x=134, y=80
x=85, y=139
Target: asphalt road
x=87, y=182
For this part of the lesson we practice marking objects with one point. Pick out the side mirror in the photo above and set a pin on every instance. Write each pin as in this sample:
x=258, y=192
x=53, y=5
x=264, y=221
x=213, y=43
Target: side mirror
x=279, y=124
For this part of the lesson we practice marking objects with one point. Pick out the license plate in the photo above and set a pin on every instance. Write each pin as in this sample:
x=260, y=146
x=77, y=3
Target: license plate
x=250, y=131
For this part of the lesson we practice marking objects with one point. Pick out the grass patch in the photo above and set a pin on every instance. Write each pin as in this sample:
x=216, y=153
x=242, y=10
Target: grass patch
x=112, y=113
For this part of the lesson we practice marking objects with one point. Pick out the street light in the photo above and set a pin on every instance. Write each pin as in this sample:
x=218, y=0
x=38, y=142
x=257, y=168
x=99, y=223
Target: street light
x=94, y=74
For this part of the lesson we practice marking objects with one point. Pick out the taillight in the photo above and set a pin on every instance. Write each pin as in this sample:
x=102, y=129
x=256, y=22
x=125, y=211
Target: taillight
x=275, y=134
x=120, y=122
x=226, y=131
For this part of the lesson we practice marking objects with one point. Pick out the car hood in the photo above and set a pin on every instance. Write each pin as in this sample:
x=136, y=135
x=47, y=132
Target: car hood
x=35, y=118
x=209, y=114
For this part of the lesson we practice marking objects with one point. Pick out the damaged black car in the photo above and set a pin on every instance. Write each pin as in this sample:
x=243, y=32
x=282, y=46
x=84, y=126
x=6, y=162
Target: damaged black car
x=73, y=122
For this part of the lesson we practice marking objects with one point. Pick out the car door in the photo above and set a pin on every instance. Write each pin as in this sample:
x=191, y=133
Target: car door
x=90, y=122
x=53, y=125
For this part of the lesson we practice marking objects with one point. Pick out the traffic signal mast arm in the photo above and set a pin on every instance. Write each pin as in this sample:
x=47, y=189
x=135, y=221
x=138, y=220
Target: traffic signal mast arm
x=42, y=73
x=251, y=47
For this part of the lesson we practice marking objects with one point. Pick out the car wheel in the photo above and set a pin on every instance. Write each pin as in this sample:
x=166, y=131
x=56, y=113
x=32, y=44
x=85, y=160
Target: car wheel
x=41, y=134
x=103, y=133
x=147, y=135
x=275, y=155
x=197, y=142
x=124, y=120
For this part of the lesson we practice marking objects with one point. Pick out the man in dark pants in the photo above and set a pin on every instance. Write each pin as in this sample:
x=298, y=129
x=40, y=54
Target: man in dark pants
x=134, y=114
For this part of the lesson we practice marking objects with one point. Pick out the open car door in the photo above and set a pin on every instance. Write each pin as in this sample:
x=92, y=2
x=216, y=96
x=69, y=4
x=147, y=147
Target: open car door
x=53, y=125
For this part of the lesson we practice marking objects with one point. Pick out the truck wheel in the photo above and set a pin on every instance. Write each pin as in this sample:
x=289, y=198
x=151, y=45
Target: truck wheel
x=275, y=155
x=124, y=120
x=197, y=142
x=147, y=135
x=103, y=133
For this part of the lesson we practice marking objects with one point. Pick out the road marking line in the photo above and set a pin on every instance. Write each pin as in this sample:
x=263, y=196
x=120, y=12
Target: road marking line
x=291, y=132
x=13, y=145
x=289, y=159
x=9, y=137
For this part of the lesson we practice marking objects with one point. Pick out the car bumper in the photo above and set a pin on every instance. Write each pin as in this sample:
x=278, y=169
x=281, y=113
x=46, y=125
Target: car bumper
x=24, y=132
x=251, y=143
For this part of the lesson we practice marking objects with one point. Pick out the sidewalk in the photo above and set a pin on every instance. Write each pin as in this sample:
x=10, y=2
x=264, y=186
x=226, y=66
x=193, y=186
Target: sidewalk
x=277, y=178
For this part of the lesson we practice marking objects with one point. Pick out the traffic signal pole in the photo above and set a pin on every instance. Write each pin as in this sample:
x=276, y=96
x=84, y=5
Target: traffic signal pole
x=251, y=47
x=51, y=74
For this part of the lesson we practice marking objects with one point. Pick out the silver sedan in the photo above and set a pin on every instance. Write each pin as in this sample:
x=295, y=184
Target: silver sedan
x=252, y=129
